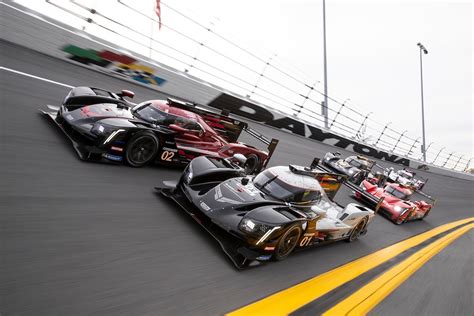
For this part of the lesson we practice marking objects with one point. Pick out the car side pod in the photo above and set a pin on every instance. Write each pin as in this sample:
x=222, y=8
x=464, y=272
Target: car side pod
x=241, y=257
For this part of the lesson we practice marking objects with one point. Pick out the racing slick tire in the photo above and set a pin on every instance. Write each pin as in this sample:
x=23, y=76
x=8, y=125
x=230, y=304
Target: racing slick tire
x=356, y=231
x=252, y=164
x=287, y=242
x=141, y=149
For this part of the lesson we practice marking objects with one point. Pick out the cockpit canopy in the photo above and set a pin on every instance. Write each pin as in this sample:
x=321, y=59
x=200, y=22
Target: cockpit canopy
x=282, y=184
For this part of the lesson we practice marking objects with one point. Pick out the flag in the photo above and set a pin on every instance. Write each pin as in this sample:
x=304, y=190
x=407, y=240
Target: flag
x=158, y=12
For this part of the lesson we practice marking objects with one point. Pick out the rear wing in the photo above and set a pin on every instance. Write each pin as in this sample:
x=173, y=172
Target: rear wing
x=270, y=143
x=371, y=163
x=344, y=180
x=229, y=128
x=423, y=194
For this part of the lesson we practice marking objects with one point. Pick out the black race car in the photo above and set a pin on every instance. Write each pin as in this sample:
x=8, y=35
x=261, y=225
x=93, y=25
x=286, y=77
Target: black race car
x=104, y=126
x=267, y=216
x=357, y=168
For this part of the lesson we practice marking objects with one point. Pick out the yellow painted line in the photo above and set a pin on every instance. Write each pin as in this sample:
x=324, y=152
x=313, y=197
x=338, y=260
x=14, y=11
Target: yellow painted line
x=368, y=296
x=291, y=299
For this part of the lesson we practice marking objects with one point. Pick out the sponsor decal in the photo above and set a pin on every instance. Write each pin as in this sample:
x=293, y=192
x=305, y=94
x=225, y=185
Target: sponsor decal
x=118, y=63
x=116, y=148
x=204, y=206
x=249, y=189
x=260, y=114
x=113, y=157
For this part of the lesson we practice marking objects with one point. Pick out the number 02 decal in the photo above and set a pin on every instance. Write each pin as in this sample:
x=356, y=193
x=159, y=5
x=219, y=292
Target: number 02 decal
x=167, y=155
x=305, y=241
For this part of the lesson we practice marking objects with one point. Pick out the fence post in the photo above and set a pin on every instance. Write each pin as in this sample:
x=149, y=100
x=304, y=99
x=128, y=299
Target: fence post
x=381, y=134
x=412, y=146
x=261, y=75
x=438, y=154
x=396, y=144
x=457, y=162
x=426, y=149
x=449, y=157
x=363, y=122
x=339, y=111
x=467, y=165
x=306, y=97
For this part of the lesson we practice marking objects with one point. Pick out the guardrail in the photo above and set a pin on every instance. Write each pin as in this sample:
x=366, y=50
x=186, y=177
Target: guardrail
x=296, y=98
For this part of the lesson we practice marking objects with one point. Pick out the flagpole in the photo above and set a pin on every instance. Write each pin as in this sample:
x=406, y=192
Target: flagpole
x=325, y=107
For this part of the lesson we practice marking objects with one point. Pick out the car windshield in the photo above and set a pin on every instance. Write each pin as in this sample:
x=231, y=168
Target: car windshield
x=396, y=193
x=354, y=163
x=271, y=184
x=152, y=114
x=405, y=174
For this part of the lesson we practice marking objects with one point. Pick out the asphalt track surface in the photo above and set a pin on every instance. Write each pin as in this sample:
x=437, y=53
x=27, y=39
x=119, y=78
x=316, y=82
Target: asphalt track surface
x=87, y=238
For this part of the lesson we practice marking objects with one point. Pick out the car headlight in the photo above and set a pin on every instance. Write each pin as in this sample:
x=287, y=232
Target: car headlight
x=98, y=129
x=351, y=171
x=398, y=208
x=253, y=227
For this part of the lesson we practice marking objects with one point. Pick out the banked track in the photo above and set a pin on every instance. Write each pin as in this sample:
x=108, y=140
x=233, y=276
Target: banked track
x=85, y=238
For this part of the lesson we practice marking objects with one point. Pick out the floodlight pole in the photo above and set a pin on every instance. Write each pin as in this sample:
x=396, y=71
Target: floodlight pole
x=423, y=146
x=326, y=105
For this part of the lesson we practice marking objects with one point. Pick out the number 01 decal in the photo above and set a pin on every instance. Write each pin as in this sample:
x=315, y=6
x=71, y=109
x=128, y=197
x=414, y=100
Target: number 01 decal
x=305, y=241
x=167, y=155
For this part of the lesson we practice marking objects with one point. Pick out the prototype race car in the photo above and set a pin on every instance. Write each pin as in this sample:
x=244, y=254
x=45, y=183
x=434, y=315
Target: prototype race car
x=104, y=126
x=396, y=204
x=355, y=167
x=405, y=177
x=267, y=216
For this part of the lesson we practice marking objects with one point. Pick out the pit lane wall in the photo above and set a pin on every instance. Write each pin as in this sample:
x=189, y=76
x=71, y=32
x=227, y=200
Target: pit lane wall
x=26, y=28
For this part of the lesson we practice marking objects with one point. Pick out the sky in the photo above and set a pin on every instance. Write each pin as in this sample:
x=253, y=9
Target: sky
x=373, y=59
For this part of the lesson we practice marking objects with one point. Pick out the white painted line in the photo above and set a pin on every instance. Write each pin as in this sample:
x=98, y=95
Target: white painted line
x=36, y=77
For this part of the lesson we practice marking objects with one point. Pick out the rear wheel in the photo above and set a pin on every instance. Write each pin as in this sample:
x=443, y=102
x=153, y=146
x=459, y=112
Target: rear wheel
x=141, y=149
x=252, y=164
x=355, y=233
x=287, y=243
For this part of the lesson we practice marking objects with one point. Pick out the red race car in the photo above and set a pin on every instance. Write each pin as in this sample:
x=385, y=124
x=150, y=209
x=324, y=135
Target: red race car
x=199, y=132
x=396, y=204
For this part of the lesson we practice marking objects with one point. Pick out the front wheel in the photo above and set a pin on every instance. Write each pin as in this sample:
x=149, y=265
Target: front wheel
x=287, y=243
x=141, y=149
x=355, y=233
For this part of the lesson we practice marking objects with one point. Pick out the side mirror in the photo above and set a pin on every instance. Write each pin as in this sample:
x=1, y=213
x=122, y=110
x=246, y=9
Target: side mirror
x=241, y=159
x=245, y=181
x=127, y=93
